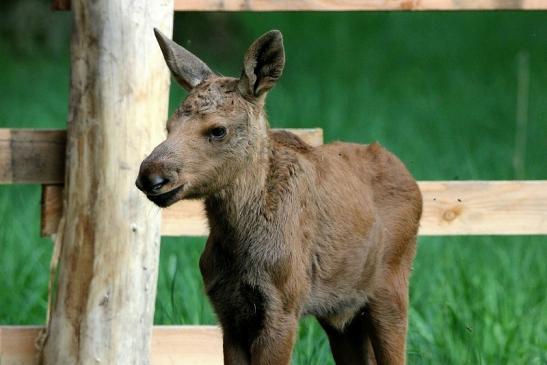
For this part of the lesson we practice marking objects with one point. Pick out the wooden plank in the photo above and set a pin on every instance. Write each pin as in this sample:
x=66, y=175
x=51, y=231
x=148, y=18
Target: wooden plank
x=17, y=345
x=312, y=136
x=171, y=345
x=344, y=5
x=186, y=345
x=356, y=5
x=51, y=209
x=484, y=207
x=450, y=208
x=185, y=218
x=32, y=156
x=38, y=156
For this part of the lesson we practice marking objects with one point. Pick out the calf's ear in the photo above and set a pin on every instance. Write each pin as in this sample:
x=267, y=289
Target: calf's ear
x=263, y=65
x=187, y=69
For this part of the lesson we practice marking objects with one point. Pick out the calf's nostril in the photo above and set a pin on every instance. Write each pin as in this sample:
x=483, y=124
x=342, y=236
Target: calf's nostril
x=157, y=182
x=151, y=183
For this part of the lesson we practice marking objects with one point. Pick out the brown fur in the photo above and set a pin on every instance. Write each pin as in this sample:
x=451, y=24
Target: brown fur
x=296, y=230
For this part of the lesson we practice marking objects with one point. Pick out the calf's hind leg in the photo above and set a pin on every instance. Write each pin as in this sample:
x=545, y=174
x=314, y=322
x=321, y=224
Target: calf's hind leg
x=388, y=319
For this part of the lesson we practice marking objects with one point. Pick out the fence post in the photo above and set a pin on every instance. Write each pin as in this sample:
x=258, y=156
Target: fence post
x=110, y=234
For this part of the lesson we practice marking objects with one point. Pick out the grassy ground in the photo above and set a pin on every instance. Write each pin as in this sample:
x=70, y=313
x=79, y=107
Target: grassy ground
x=438, y=89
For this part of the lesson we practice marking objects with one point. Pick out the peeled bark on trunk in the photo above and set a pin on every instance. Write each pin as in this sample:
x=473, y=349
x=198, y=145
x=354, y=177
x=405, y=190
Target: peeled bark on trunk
x=110, y=233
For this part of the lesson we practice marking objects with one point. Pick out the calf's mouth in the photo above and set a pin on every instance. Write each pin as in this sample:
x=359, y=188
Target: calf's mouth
x=164, y=200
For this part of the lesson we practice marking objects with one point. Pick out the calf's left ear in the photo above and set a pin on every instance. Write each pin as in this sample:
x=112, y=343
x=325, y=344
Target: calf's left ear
x=263, y=65
x=187, y=69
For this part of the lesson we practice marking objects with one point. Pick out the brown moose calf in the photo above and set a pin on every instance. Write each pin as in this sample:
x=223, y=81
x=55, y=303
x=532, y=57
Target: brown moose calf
x=328, y=231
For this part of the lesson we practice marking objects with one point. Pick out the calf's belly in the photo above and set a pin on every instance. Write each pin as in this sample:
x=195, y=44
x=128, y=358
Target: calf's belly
x=345, y=276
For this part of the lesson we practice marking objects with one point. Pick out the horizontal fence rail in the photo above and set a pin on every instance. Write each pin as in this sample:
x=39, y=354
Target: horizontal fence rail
x=180, y=345
x=355, y=5
x=344, y=5
x=484, y=207
x=450, y=207
x=32, y=156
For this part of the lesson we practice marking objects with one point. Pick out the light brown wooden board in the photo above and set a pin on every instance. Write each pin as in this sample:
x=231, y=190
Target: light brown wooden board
x=171, y=345
x=51, y=209
x=450, y=208
x=32, y=156
x=484, y=207
x=355, y=5
x=343, y=5
x=38, y=156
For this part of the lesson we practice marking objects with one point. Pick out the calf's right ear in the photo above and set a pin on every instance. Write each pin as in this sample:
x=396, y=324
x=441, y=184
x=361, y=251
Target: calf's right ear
x=263, y=65
x=187, y=69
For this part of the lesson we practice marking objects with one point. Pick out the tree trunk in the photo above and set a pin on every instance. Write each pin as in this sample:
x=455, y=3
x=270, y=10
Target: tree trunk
x=110, y=233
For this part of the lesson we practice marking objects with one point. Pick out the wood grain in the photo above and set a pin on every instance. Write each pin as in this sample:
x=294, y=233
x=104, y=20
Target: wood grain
x=171, y=345
x=484, y=207
x=106, y=278
x=450, y=208
x=51, y=209
x=356, y=5
x=344, y=5
x=32, y=156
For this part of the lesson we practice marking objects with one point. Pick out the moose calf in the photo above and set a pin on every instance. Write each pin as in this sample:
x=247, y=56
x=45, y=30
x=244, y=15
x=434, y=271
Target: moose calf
x=328, y=231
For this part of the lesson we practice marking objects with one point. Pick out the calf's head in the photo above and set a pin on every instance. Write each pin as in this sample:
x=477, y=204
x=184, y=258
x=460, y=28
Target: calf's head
x=214, y=133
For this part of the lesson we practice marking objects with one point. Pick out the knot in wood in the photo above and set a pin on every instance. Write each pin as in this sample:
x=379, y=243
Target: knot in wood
x=451, y=214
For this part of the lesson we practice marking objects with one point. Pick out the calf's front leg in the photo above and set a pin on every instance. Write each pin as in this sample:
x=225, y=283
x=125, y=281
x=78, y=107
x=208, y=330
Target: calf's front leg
x=275, y=342
x=272, y=345
x=234, y=352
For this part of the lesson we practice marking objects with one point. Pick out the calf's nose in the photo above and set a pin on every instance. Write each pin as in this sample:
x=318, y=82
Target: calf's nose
x=151, y=183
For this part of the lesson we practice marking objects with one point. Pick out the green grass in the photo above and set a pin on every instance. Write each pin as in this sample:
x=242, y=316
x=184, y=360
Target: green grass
x=438, y=89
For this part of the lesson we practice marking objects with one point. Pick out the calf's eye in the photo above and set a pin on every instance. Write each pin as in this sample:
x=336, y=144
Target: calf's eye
x=217, y=133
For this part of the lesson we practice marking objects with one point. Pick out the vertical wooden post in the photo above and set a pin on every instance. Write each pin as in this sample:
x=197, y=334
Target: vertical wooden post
x=109, y=232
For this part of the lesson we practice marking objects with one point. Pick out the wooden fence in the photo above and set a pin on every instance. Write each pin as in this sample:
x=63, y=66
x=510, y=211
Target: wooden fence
x=450, y=207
